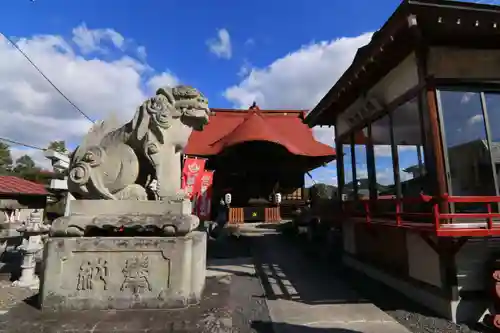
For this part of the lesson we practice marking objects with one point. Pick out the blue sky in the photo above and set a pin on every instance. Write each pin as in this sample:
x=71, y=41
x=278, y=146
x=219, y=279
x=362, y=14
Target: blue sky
x=175, y=33
x=108, y=55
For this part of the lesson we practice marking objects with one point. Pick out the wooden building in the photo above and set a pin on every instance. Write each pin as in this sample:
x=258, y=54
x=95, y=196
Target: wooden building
x=417, y=112
x=18, y=198
x=256, y=154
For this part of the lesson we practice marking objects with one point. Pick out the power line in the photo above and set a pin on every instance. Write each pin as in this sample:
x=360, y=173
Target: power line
x=46, y=78
x=21, y=144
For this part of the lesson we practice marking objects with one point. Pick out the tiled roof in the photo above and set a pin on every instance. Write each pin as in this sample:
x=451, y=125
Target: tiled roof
x=228, y=127
x=16, y=185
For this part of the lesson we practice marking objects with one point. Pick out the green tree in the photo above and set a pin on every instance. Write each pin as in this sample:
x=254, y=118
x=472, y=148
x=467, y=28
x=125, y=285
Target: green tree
x=5, y=159
x=26, y=168
x=322, y=191
x=25, y=164
x=58, y=146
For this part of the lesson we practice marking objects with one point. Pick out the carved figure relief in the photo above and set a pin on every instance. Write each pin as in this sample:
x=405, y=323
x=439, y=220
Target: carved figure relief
x=136, y=275
x=92, y=271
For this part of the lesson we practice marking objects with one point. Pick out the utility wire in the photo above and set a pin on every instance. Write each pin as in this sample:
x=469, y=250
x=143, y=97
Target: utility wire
x=47, y=79
x=21, y=144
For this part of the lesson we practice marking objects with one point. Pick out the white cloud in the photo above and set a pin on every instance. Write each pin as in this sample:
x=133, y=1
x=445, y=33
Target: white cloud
x=91, y=40
x=245, y=68
x=466, y=97
x=299, y=79
x=141, y=52
x=221, y=45
x=325, y=175
x=250, y=42
x=476, y=119
x=34, y=113
x=385, y=176
x=325, y=135
x=382, y=150
x=165, y=79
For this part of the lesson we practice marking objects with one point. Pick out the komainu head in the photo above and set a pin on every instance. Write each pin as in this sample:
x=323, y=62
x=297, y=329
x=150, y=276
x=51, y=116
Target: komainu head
x=190, y=103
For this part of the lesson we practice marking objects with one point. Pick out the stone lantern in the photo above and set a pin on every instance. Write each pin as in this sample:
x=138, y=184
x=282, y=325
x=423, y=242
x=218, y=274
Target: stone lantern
x=32, y=231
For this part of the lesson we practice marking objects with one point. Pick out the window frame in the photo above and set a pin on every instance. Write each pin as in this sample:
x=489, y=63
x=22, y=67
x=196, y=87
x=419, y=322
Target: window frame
x=482, y=90
x=415, y=92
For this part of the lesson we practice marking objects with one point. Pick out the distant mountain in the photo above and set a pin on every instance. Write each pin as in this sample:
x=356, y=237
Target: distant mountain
x=364, y=185
x=323, y=191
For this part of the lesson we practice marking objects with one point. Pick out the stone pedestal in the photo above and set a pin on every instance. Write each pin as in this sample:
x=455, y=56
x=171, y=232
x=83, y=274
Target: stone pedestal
x=166, y=218
x=28, y=278
x=123, y=272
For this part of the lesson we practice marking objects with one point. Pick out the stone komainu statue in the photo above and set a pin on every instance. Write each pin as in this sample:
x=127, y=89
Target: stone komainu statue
x=121, y=163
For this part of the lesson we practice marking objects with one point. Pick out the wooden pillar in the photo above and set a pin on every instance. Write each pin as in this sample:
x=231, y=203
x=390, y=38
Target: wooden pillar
x=236, y=216
x=272, y=214
x=429, y=105
x=440, y=170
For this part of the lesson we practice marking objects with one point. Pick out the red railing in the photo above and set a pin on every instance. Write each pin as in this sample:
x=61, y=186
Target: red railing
x=443, y=224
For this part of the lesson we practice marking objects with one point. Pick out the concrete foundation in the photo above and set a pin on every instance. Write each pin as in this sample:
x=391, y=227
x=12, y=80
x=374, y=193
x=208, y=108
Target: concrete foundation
x=123, y=272
x=458, y=311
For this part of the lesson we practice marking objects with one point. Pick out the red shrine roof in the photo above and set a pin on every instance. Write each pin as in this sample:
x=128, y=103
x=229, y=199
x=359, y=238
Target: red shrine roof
x=229, y=127
x=18, y=186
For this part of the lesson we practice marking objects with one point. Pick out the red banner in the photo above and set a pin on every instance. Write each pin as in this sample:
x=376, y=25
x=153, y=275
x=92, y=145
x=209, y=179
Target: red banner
x=191, y=175
x=204, y=202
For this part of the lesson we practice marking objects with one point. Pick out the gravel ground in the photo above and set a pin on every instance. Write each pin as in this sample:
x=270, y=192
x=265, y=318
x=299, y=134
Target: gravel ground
x=247, y=296
x=408, y=313
x=413, y=316
x=213, y=314
x=11, y=296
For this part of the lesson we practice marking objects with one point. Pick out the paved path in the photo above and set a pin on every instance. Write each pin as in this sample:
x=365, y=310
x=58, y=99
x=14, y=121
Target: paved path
x=291, y=296
x=300, y=299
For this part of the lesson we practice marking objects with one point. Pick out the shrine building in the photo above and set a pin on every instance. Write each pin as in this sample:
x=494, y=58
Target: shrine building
x=257, y=154
x=417, y=115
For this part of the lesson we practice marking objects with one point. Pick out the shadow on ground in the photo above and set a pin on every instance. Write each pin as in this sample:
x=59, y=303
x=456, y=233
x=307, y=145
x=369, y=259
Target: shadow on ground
x=320, y=279
x=228, y=247
x=287, y=273
x=268, y=327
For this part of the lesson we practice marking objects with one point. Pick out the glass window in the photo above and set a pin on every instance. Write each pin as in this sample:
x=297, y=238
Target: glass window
x=411, y=169
x=381, y=138
x=347, y=189
x=409, y=143
x=493, y=107
x=360, y=142
x=385, y=182
x=348, y=178
x=469, y=163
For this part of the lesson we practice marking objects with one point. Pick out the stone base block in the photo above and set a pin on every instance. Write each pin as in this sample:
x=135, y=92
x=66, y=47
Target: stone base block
x=123, y=272
x=103, y=207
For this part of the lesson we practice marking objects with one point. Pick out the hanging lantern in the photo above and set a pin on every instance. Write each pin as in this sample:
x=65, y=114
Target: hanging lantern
x=277, y=198
x=227, y=198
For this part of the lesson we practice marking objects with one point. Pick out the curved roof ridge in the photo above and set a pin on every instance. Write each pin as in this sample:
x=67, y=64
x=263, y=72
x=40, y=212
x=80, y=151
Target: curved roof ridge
x=224, y=111
x=255, y=128
x=232, y=126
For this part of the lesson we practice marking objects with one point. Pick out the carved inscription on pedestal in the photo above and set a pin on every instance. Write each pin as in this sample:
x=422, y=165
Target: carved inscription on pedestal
x=136, y=275
x=92, y=271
